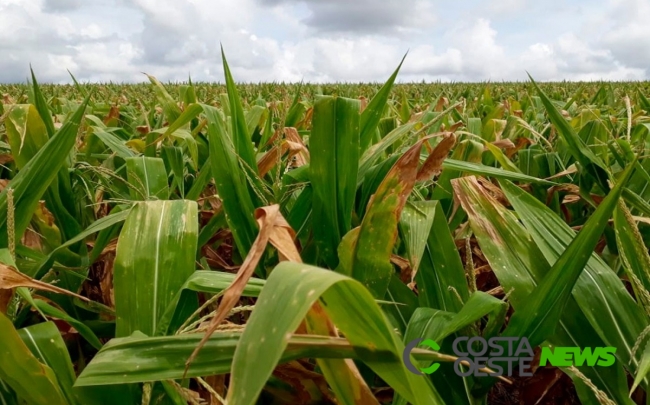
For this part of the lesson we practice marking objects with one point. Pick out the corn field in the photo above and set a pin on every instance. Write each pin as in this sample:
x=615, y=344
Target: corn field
x=278, y=243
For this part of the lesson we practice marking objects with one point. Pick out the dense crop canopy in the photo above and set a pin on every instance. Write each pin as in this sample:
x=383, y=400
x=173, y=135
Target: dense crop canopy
x=284, y=244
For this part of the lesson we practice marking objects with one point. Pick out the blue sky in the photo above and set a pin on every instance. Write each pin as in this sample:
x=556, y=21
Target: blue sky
x=325, y=40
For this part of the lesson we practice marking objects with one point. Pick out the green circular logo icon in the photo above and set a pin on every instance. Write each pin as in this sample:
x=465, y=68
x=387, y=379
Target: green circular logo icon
x=412, y=345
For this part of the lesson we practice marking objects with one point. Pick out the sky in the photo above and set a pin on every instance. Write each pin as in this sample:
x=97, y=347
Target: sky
x=324, y=40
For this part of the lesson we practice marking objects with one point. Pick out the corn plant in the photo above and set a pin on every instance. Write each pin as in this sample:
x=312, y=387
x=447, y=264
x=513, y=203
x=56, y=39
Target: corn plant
x=283, y=244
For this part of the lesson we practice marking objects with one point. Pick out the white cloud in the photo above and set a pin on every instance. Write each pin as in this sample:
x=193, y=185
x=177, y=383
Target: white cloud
x=629, y=35
x=291, y=40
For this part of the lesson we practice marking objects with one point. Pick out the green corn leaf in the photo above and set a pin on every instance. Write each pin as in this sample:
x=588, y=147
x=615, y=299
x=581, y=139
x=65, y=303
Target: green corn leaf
x=372, y=113
x=154, y=257
x=26, y=132
x=644, y=368
x=54, y=312
x=441, y=274
x=452, y=388
x=173, y=156
x=41, y=106
x=483, y=170
x=466, y=154
x=520, y=266
x=231, y=183
x=202, y=180
x=147, y=177
x=32, y=381
x=113, y=142
x=415, y=226
x=352, y=309
x=296, y=111
x=32, y=181
x=170, y=108
x=334, y=150
x=184, y=302
x=45, y=342
x=376, y=151
x=372, y=244
x=7, y=395
x=539, y=317
x=434, y=324
x=241, y=138
x=631, y=248
x=163, y=357
x=190, y=143
x=97, y=226
x=255, y=118
x=587, y=159
x=503, y=160
x=611, y=312
x=189, y=113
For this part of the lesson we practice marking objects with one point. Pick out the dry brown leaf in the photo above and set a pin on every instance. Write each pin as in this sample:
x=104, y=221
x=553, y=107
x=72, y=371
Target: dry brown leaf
x=521, y=143
x=306, y=122
x=142, y=129
x=282, y=237
x=308, y=387
x=404, y=265
x=503, y=144
x=273, y=139
x=456, y=126
x=6, y=158
x=433, y=164
x=572, y=190
x=466, y=203
x=44, y=214
x=99, y=285
x=496, y=291
x=441, y=104
x=364, y=104
x=114, y=112
x=32, y=240
x=571, y=170
x=275, y=229
x=218, y=384
x=216, y=260
x=269, y=159
x=416, y=117
x=266, y=218
x=5, y=299
x=302, y=158
x=569, y=199
x=494, y=191
x=11, y=278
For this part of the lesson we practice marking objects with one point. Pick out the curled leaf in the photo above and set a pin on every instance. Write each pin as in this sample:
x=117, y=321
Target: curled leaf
x=12, y=278
x=274, y=228
x=433, y=165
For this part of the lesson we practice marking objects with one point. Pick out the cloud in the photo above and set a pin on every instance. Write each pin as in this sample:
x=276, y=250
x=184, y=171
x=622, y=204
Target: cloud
x=362, y=16
x=571, y=58
x=318, y=41
x=628, y=38
x=61, y=5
